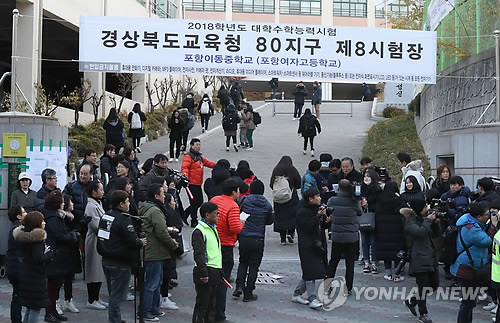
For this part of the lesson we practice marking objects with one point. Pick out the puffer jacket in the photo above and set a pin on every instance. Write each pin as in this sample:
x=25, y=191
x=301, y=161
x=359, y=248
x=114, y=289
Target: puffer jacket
x=309, y=181
x=474, y=235
x=213, y=185
x=76, y=189
x=261, y=214
x=414, y=168
x=460, y=200
x=248, y=119
x=192, y=166
x=228, y=224
x=309, y=119
x=345, y=222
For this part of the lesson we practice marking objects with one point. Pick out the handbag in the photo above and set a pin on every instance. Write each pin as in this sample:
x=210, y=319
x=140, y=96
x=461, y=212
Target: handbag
x=367, y=221
x=482, y=276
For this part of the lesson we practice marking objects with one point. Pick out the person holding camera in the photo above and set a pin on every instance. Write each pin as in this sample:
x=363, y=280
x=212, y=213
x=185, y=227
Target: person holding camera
x=159, y=247
x=457, y=199
x=486, y=189
x=311, y=224
x=345, y=231
x=420, y=228
x=119, y=246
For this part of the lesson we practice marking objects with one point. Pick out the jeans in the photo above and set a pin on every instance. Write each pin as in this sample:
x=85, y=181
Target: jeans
x=197, y=201
x=177, y=142
x=243, y=136
x=368, y=243
x=350, y=251
x=227, y=267
x=152, y=285
x=429, y=279
x=15, y=305
x=31, y=315
x=297, y=112
x=250, y=137
x=311, y=142
x=273, y=94
x=251, y=252
x=310, y=286
x=204, y=120
x=117, y=280
x=466, y=305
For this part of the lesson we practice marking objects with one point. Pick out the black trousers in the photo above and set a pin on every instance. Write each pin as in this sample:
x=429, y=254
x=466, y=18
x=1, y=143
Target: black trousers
x=284, y=233
x=429, y=279
x=297, y=112
x=251, y=252
x=204, y=308
x=350, y=251
x=228, y=140
x=204, y=120
x=169, y=273
x=136, y=142
x=311, y=142
x=177, y=141
x=227, y=267
x=197, y=201
x=185, y=135
x=93, y=290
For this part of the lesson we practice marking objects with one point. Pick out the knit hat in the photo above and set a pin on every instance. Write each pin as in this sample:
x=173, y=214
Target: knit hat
x=257, y=187
x=417, y=205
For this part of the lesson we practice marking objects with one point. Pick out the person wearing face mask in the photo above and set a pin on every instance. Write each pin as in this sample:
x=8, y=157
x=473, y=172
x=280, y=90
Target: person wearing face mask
x=24, y=196
x=349, y=172
x=413, y=190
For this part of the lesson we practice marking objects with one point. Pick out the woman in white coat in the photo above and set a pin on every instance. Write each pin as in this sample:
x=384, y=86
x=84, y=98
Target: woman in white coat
x=94, y=274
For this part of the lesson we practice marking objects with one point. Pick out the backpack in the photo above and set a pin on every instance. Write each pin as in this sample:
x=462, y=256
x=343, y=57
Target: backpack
x=235, y=93
x=224, y=96
x=282, y=192
x=256, y=118
x=309, y=124
x=205, y=108
x=136, y=121
x=229, y=122
x=449, y=252
x=190, y=121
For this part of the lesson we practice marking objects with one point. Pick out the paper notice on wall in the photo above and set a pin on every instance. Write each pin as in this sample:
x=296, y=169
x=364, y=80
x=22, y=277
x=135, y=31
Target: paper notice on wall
x=39, y=160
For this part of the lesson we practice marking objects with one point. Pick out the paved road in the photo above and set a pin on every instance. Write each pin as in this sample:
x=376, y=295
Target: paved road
x=341, y=136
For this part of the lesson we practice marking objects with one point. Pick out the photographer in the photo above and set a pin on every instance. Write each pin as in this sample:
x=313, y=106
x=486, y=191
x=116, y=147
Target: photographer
x=159, y=169
x=118, y=245
x=472, y=248
x=160, y=245
x=457, y=199
x=486, y=189
x=311, y=225
x=420, y=228
x=345, y=231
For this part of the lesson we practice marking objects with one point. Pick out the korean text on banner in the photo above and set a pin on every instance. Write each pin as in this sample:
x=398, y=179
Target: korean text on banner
x=314, y=52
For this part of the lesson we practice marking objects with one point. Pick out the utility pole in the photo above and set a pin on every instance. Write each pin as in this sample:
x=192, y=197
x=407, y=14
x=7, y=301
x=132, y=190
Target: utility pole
x=497, y=73
x=13, y=76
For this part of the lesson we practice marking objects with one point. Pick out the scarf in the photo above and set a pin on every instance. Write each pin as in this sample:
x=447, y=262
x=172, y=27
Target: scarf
x=159, y=204
x=195, y=155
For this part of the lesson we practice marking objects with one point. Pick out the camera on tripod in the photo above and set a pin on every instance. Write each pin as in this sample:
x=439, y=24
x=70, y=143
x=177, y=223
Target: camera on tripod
x=137, y=222
x=180, y=179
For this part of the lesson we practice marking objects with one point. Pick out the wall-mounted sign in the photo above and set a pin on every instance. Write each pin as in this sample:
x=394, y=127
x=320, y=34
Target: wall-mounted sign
x=14, y=145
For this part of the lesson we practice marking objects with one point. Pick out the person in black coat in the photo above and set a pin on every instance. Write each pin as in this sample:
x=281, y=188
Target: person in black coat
x=412, y=190
x=213, y=185
x=30, y=238
x=442, y=182
x=284, y=221
x=14, y=260
x=224, y=98
x=188, y=102
x=237, y=94
x=108, y=164
x=370, y=191
x=311, y=224
x=114, y=130
x=132, y=159
x=389, y=226
x=349, y=172
x=61, y=240
x=307, y=129
x=49, y=184
x=138, y=132
x=300, y=93
x=177, y=127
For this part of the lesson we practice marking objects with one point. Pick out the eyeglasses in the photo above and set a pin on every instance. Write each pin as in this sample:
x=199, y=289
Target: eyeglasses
x=120, y=166
x=55, y=177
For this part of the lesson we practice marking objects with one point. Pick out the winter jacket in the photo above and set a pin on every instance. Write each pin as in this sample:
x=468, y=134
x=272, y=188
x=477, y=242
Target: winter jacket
x=224, y=96
x=414, y=168
x=176, y=128
x=114, y=132
x=412, y=195
x=148, y=179
x=134, y=168
x=419, y=232
x=33, y=291
x=213, y=185
x=441, y=187
x=160, y=243
x=371, y=196
x=389, y=228
x=228, y=224
x=300, y=93
x=317, y=94
x=62, y=240
x=261, y=214
x=476, y=239
x=460, y=201
x=76, y=189
x=210, y=107
x=353, y=176
x=192, y=166
x=231, y=128
x=273, y=83
x=308, y=124
x=345, y=223
x=285, y=214
x=136, y=133
x=248, y=119
x=107, y=167
x=308, y=181
x=93, y=260
x=312, y=242
x=26, y=200
x=489, y=196
x=334, y=179
x=14, y=255
x=41, y=195
x=237, y=94
x=96, y=173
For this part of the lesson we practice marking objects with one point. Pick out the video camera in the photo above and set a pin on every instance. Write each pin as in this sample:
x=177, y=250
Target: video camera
x=383, y=174
x=180, y=179
x=440, y=208
x=137, y=222
x=329, y=210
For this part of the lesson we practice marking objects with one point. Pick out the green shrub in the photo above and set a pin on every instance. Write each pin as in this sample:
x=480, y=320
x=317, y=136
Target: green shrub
x=414, y=105
x=391, y=112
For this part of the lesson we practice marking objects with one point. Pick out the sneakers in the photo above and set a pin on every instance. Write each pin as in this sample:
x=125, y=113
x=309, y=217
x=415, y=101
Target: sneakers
x=294, y=119
x=249, y=148
x=312, y=153
x=283, y=243
x=130, y=297
x=69, y=306
x=103, y=303
x=250, y=298
x=237, y=292
x=424, y=318
x=489, y=307
x=235, y=148
x=138, y=150
x=159, y=314
x=227, y=148
x=388, y=277
x=374, y=269
x=60, y=317
x=177, y=160
x=315, y=304
x=411, y=308
x=166, y=303
x=95, y=305
x=202, y=130
x=59, y=307
x=398, y=279
x=305, y=152
x=289, y=238
x=367, y=269
x=51, y=318
x=150, y=318
x=299, y=299
x=170, y=160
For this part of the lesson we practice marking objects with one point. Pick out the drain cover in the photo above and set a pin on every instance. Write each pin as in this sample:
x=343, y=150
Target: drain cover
x=267, y=278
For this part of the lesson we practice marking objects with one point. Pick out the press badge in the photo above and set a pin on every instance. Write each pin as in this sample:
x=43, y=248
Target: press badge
x=105, y=232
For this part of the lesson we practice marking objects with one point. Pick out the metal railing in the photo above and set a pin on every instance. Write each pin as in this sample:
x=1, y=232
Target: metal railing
x=485, y=110
x=323, y=102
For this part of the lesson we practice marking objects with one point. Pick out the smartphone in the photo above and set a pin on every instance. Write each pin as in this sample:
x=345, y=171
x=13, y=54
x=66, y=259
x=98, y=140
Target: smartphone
x=357, y=190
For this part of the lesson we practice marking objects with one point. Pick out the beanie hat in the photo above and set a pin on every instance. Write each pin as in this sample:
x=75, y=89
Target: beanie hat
x=325, y=157
x=417, y=205
x=257, y=187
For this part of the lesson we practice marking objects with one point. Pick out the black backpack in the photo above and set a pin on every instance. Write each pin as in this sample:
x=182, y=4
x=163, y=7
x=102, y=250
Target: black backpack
x=229, y=122
x=235, y=93
x=309, y=124
x=256, y=118
x=449, y=252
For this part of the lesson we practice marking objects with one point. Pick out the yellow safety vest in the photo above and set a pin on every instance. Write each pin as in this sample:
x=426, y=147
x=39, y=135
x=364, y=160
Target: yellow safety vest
x=495, y=266
x=212, y=241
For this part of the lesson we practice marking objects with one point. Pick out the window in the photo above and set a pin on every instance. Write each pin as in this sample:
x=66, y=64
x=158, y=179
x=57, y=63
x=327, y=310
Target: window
x=164, y=9
x=300, y=7
x=205, y=5
x=142, y=2
x=396, y=7
x=349, y=8
x=253, y=6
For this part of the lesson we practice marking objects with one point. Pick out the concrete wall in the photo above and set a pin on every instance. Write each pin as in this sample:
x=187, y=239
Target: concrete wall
x=448, y=111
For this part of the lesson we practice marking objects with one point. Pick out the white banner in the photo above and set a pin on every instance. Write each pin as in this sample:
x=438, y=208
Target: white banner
x=437, y=10
x=251, y=49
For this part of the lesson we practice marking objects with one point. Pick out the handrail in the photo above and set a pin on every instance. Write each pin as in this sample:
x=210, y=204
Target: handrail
x=4, y=76
x=484, y=112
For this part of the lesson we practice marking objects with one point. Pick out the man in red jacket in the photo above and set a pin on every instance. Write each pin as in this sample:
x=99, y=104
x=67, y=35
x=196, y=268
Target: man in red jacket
x=228, y=227
x=192, y=166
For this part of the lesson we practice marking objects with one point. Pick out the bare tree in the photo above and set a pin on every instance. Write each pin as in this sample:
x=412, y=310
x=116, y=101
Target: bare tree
x=225, y=80
x=78, y=97
x=95, y=101
x=191, y=83
x=46, y=104
x=175, y=87
x=125, y=87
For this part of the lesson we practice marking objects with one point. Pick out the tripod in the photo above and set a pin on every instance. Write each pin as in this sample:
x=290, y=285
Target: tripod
x=139, y=284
